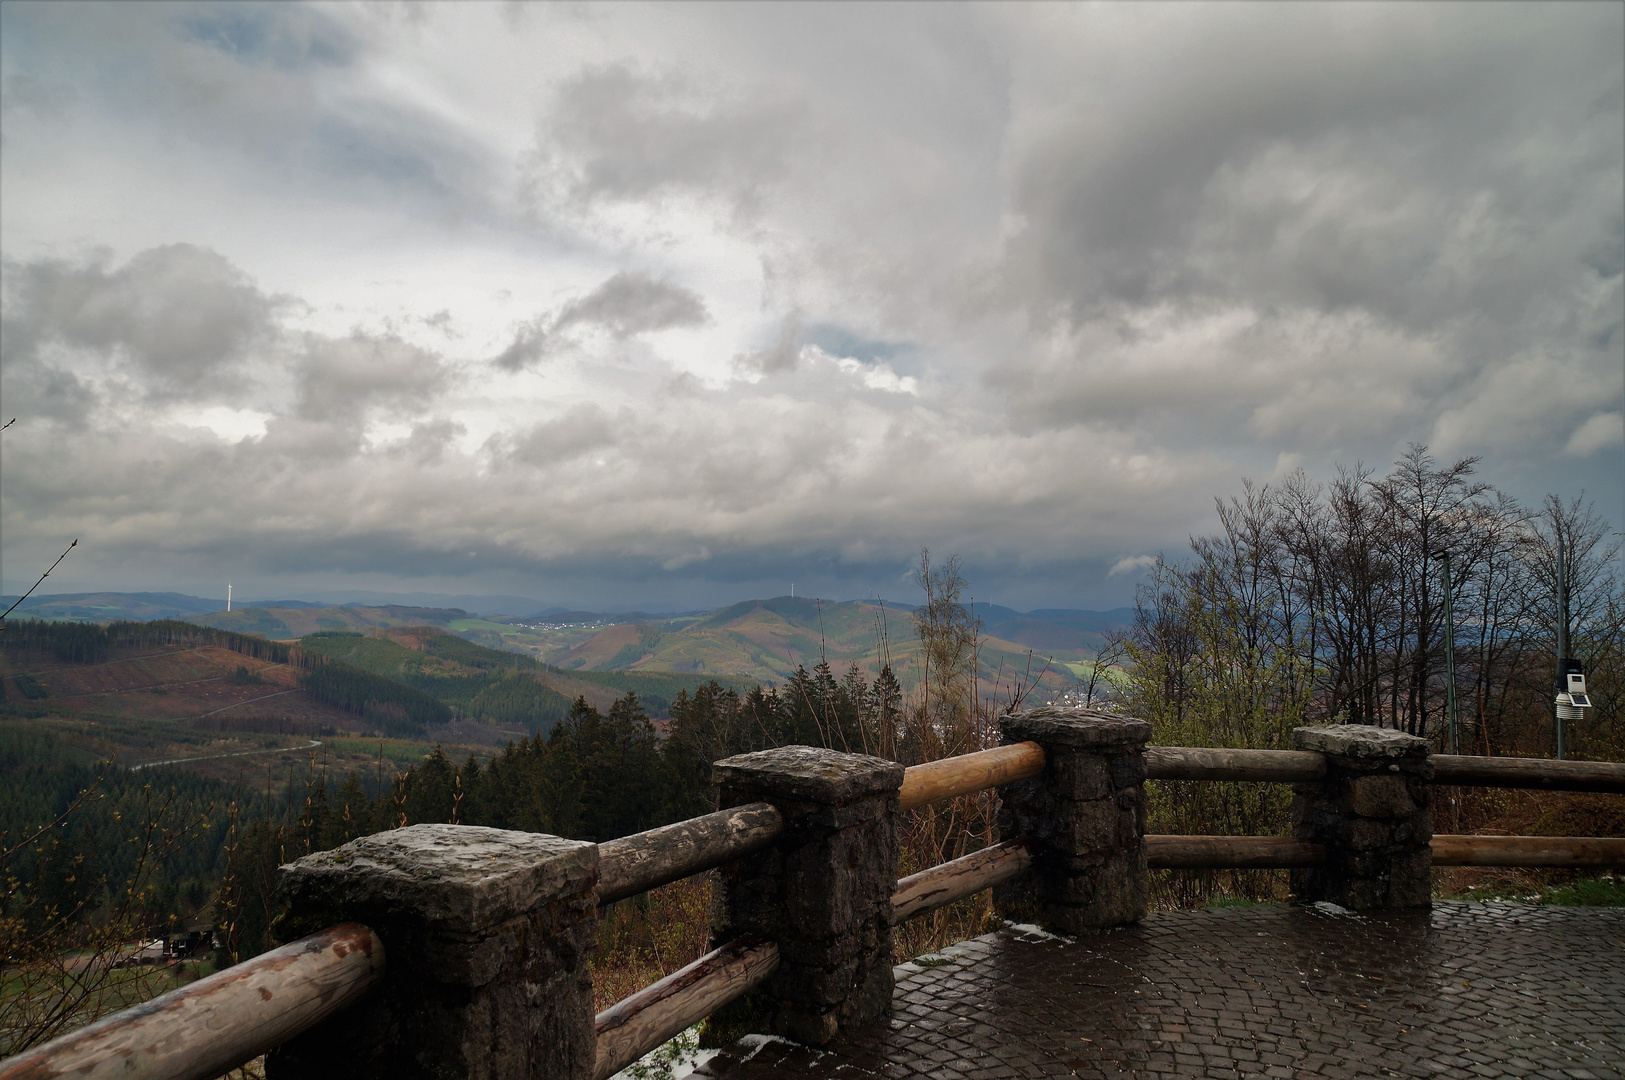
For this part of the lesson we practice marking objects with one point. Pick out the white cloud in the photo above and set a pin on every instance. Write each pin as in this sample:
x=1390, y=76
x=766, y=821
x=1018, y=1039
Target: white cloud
x=1132, y=564
x=1603, y=430
x=875, y=376
x=771, y=288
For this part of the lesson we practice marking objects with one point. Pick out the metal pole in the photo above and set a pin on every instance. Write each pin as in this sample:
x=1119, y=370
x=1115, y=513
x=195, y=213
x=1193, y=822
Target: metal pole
x=1562, y=631
x=1450, y=658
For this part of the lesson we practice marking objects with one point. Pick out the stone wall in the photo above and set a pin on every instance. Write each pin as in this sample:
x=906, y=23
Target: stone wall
x=822, y=891
x=1084, y=817
x=1373, y=811
x=488, y=937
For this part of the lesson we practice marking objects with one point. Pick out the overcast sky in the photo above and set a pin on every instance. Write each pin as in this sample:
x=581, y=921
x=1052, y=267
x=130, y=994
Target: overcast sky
x=675, y=305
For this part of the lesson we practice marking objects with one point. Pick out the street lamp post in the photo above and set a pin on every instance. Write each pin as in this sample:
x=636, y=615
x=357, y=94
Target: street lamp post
x=1449, y=653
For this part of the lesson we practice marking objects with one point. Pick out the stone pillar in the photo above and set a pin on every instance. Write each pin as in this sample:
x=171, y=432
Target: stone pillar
x=822, y=891
x=1373, y=811
x=1085, y=817
x=487, y=935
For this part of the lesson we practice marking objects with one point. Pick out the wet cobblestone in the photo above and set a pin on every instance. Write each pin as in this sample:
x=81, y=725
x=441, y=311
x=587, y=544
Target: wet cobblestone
x=1466, y=990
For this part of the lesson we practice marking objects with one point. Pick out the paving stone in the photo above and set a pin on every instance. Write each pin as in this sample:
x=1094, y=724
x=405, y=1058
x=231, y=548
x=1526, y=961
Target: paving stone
x=1273, y=991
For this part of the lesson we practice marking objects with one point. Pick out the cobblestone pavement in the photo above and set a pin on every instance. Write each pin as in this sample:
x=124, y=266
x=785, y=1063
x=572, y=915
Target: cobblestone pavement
x=1466, y=990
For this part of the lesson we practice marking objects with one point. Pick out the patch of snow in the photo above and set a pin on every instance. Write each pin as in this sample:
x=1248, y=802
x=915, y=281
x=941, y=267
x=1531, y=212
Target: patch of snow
x=1032, y=932
x=673, y=1060
x=1326, y=907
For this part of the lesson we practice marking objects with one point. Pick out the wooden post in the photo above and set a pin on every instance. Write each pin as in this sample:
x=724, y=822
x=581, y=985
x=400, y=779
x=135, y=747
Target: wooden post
x=1084, y=817
x=822, y=890
x=489, y=935
x=1373, y=812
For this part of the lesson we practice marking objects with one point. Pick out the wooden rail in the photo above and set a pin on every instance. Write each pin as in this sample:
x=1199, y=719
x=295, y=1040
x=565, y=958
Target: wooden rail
x=968, y=773
x=1276, y=852
x=1528, y=851
x=1231, y=852
x=1201, y=763
x=636, y=1025
x=922, y=893
x=1470, y=771
x=647, y=860
x=199, y=1031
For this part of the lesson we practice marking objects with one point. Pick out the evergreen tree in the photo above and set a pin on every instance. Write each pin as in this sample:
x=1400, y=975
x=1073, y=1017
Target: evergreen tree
x=431, y=790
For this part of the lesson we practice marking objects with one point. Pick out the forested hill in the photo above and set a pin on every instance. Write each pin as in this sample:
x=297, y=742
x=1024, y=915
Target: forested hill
x=767, y=640
x=493, y=685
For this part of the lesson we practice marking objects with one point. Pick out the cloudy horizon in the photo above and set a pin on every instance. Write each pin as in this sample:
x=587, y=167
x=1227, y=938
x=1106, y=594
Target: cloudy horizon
x=675, y=305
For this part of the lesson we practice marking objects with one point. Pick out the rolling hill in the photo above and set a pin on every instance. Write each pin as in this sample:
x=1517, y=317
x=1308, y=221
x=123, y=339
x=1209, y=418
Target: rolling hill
x=140, y=694
x=458, y=672
x=766, y=640
x=288, y=623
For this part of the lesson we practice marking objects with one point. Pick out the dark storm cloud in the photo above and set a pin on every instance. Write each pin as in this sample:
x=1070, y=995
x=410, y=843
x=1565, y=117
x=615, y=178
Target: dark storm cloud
x=1028, y=283
x=1328, y=227
x=1327, y=159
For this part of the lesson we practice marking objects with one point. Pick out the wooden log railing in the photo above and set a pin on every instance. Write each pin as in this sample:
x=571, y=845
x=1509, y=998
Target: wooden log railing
x=633, y=1026
x=1532, y=851
x=968, y=774
x=941, y=885
x=1231, y=853
x=200, y=1031
x=1285, y=852
x=646, y=860
x=1203, y=763
x=1471, y=771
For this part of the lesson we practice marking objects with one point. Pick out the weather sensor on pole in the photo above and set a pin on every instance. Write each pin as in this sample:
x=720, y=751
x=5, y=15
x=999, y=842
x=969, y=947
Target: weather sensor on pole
x=1572, y=701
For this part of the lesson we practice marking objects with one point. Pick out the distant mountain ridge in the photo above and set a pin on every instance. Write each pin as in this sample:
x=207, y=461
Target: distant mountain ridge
x=146, y=606
x=285, y=623
x=112, y=606
x=762, y=640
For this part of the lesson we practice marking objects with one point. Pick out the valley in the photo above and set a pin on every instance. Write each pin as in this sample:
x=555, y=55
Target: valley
x=471, y=683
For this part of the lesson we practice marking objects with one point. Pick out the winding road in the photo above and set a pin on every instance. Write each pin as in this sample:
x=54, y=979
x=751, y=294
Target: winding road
x=235, y=753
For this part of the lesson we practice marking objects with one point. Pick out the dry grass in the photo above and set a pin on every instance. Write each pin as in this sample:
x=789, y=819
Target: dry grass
x=645, y=938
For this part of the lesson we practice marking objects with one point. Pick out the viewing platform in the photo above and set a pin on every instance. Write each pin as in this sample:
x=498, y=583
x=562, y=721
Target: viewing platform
x=447, y=952
x=1464, y=990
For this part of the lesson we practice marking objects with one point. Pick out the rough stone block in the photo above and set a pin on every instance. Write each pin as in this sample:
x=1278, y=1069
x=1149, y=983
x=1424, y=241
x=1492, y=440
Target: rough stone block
x=1366, y=834
x=490, y=937
x=1358, y=741
x=1082, y=777
x=1099, y=826
x=822, y=891
x=451, y=877
x=1062, y=726
x=1411, y=880
x=1128, y=770
x=1086, y=816
x=1384, y=795
x=810, y=774
x=1372, y=811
